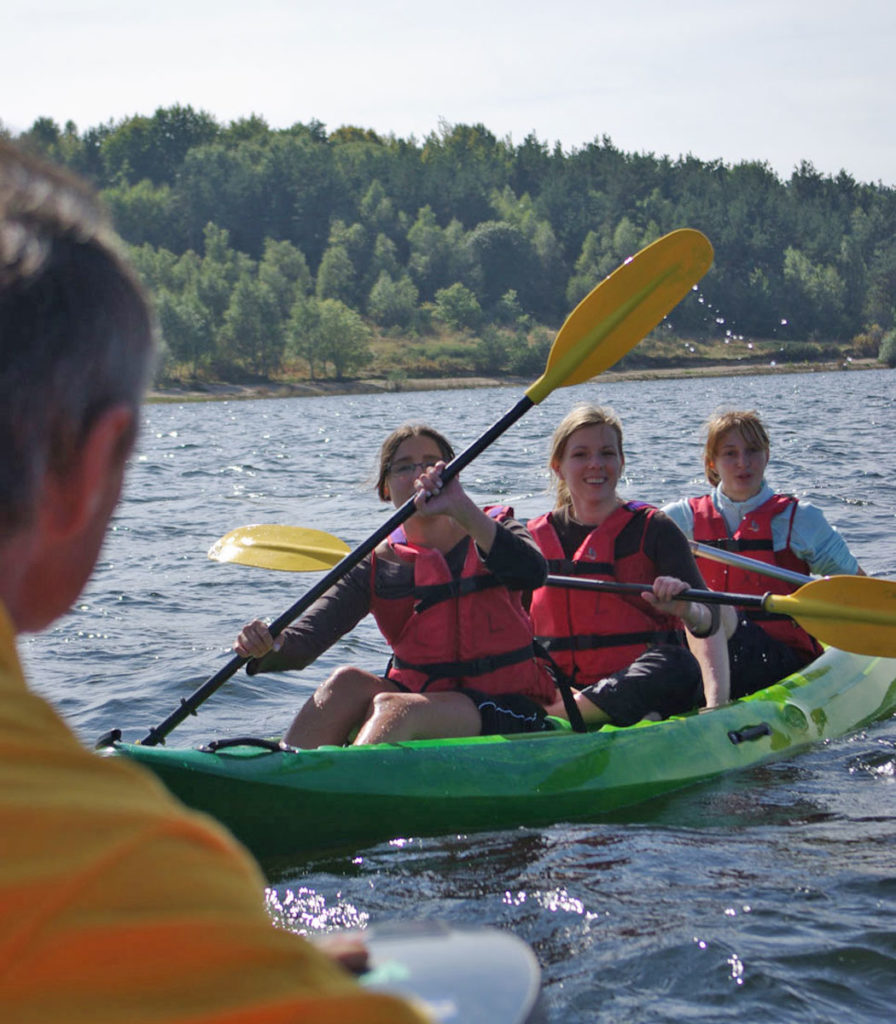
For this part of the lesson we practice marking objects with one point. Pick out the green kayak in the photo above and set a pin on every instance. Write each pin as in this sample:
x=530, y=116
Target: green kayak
x=284, y=802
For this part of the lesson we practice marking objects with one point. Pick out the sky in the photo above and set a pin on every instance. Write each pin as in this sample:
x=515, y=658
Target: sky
x=775, y=81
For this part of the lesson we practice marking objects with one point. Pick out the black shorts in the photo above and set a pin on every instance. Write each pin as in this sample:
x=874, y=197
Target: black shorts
x=757, y=660
x=665, y=680
x=507, y=712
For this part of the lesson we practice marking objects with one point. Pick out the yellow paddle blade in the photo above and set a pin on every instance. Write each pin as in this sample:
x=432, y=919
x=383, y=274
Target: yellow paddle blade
x=289, y=548
x=623, y=308
x=854, y=613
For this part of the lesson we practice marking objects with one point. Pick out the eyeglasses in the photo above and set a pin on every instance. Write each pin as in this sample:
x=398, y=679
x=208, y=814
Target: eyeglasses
x=405, y=468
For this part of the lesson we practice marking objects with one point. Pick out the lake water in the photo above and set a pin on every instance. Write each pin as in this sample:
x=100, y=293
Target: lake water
x=766, y=896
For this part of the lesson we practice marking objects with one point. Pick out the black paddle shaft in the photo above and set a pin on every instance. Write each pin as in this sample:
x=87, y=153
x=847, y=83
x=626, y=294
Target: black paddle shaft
x=189, y=704
x=692, y=594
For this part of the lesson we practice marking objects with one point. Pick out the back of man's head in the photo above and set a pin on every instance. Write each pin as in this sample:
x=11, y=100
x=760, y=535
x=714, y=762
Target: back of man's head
x=76, y=334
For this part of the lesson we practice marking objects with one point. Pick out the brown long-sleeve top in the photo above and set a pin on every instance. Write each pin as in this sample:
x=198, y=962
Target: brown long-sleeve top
x=514, y=558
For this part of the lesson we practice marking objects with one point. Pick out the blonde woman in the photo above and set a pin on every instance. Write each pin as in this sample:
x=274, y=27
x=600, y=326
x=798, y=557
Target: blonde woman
x=627, y=656
x=743, y=513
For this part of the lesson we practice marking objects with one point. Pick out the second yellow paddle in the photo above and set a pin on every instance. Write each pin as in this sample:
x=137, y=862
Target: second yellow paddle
x=854, y=613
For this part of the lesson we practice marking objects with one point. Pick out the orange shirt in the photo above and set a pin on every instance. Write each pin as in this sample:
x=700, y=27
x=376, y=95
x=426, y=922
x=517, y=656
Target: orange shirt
x=118, y=904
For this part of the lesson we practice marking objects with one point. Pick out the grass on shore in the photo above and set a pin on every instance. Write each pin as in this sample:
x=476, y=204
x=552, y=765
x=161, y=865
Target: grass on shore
x=400, y=360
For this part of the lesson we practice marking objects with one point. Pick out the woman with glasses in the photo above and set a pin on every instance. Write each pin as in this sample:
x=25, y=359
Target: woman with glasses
x=445, y=589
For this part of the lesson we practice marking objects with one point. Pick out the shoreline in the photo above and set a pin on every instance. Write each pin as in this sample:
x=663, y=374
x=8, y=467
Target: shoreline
x=220, y=391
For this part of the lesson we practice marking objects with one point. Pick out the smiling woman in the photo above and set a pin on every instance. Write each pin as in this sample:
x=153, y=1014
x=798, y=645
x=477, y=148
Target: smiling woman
x=626, y=656
x=743, y=514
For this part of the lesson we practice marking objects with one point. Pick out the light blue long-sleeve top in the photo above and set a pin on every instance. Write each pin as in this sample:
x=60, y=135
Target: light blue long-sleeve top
x=813, y=538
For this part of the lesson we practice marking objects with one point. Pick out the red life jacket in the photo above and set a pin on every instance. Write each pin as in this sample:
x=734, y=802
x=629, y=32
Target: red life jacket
x=458, y=631
x=753, y=537
x=592, y=633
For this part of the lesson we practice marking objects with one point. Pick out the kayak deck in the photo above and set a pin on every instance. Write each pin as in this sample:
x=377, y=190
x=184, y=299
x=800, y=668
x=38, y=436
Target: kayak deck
x=284, y=802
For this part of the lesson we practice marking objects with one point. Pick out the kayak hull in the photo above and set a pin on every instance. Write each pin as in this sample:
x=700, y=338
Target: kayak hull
x=288, y=803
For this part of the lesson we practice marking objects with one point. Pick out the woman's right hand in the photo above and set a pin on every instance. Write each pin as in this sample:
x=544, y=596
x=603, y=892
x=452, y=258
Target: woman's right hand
x=255, y=640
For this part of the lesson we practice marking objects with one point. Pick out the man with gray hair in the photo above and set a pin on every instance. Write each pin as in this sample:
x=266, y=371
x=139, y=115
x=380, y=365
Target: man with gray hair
x=116, y=903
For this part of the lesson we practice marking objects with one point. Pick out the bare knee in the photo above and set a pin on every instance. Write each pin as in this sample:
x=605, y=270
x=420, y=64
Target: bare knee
x=388, y=703
x=398, y=716
x=347, y=679
x=335, y=708
x=391, y=715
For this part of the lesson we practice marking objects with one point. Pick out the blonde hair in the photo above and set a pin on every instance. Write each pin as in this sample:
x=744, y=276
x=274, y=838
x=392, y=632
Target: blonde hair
x=746, y=423
x=392, y=442
x=579, y=416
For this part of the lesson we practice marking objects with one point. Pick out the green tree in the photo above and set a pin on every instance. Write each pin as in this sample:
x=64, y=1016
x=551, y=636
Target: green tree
x=155, y=147
x=337, y=276
x=157, y=267
x=393, y=303
x=587, y=271
x=377, y=211
x=464, y=165
x=145, y=213
x=252, y=335
x=879, y=304
x=527, y=354
x=326, y=331
x=817, y=295
x=344, y=338
x=284, y=269
x=502, y=259
x=433, y=261
x=490, y=352
x=544, y=293
x=220, y=269
x=384, y=259
x=457, y=306
x=509, y=312
x=303, y=337
x=186, y=328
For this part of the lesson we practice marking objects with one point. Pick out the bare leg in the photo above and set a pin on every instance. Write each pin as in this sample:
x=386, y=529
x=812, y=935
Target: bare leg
x=419, y=716
x=591, y=713
x=336, y=707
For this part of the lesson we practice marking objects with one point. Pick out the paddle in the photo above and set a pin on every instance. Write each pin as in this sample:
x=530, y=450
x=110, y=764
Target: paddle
x=285, y=548
x=288, y=548
x=297, y=549
x=268, y=547
x=478, y=975
x=854, y=613
x=606, y=324
x=750, y=564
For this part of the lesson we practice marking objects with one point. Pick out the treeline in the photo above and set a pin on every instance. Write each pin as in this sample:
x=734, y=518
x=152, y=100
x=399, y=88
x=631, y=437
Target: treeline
x=265, y=246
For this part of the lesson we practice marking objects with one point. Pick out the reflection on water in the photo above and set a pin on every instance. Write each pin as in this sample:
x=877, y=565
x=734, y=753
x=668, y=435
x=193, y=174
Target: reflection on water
x=767, y=895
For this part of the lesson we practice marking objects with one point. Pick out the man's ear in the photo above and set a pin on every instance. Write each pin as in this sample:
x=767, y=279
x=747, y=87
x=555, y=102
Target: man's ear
x=93, y=480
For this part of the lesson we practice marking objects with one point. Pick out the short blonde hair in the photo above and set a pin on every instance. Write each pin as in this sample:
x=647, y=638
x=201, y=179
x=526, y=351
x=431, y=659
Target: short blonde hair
x=746, y=423
x=579, y=416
